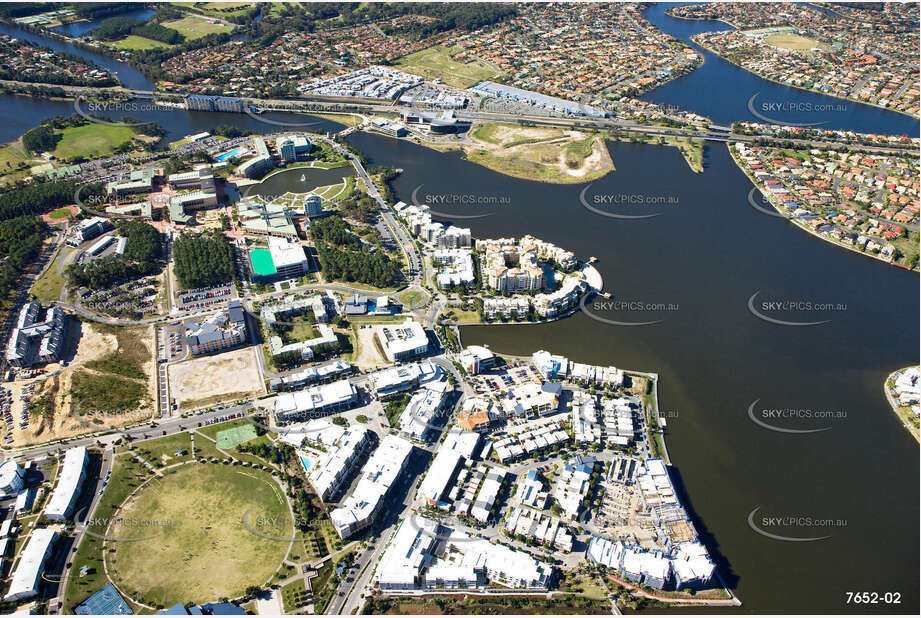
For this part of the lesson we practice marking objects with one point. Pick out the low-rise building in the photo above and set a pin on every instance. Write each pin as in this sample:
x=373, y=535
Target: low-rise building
x=438, y=478
x=536, y=526
x=26, y=578
x=326, y=341
x=402, y=341
x=88, y=229
x=378, y=476
x=476, y=358
x=316, y=401
x=424, y=407
x=37, y=337
x=403, y=377
x=70, y=481
x=224, y=329
x=333, y=471
x=311, y=375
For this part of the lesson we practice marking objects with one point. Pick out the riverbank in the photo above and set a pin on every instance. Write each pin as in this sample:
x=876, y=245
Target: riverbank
x=802, y=225
x=691, y=149
x=903, y=413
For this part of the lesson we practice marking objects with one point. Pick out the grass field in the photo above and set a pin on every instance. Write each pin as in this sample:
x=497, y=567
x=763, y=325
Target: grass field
x=195, y=27
x=132, y=41
x=48, y=286
x=60, y=213
x=793, y=41
x=411, y=298
x=217, y=9
x=436, y=62
x=91, y=140
x=162, y=451
x=229, y=438
x=202, y=550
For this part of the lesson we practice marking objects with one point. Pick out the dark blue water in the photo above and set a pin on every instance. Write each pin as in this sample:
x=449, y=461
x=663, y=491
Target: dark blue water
x=18, y=114
x=127, y=75
x=707, y=254
x=79, y=28
x=721, y=91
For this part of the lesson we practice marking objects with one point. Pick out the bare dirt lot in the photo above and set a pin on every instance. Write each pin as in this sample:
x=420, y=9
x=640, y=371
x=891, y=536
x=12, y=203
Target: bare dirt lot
x=53, y=414
x=229, y=375
x=366, y=355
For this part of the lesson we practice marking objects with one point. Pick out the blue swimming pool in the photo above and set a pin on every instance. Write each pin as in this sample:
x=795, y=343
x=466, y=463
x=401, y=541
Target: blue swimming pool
x=305, y=462
x=229, y=154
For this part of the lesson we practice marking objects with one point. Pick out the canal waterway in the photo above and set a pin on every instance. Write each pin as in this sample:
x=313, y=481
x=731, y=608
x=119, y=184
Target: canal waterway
x=721, y=91
x=697, y=264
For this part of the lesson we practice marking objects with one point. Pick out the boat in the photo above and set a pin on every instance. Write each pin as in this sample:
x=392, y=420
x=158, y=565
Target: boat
x=302, y=177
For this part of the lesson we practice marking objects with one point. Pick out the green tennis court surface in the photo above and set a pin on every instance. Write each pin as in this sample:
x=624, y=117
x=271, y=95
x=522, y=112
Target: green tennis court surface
x=229, y=438
x=262, y=263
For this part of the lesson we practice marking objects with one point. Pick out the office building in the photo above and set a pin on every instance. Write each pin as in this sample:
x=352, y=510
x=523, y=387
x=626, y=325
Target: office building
x=402, y=341
x=316, y=401
x=224, y=329
x=404, y=377
x=88, y=229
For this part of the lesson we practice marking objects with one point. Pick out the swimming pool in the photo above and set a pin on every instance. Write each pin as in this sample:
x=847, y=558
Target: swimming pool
x=229, y=154
x=305, y=462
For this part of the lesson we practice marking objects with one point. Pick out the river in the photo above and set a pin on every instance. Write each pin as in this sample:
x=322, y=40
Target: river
x=699, y=262
x=705, y=256
x=722, y=91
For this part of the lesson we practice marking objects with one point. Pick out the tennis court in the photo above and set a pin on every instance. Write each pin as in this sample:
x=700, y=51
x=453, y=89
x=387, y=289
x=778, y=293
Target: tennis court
x=229, y=438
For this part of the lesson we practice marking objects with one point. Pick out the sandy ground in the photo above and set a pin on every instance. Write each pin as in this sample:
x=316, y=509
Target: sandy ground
x=368, y=357
x=210, y=377
x=54, y=377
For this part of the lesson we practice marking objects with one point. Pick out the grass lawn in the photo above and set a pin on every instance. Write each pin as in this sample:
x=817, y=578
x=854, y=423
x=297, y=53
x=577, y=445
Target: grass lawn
x=60, y=213
x=126, y=475
x=91, y=140
x=133, y=41
x=464, y=316
x=206, y=448
x=13, y=155
x=163, y=450
x=48, y=286
x=793, y=41
x=349, y=120
x=216, y=9
x=195, y=27
x=411, y=298
x=213, y=430
x=294, y=595
x=202, y=549
x=436, y=62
